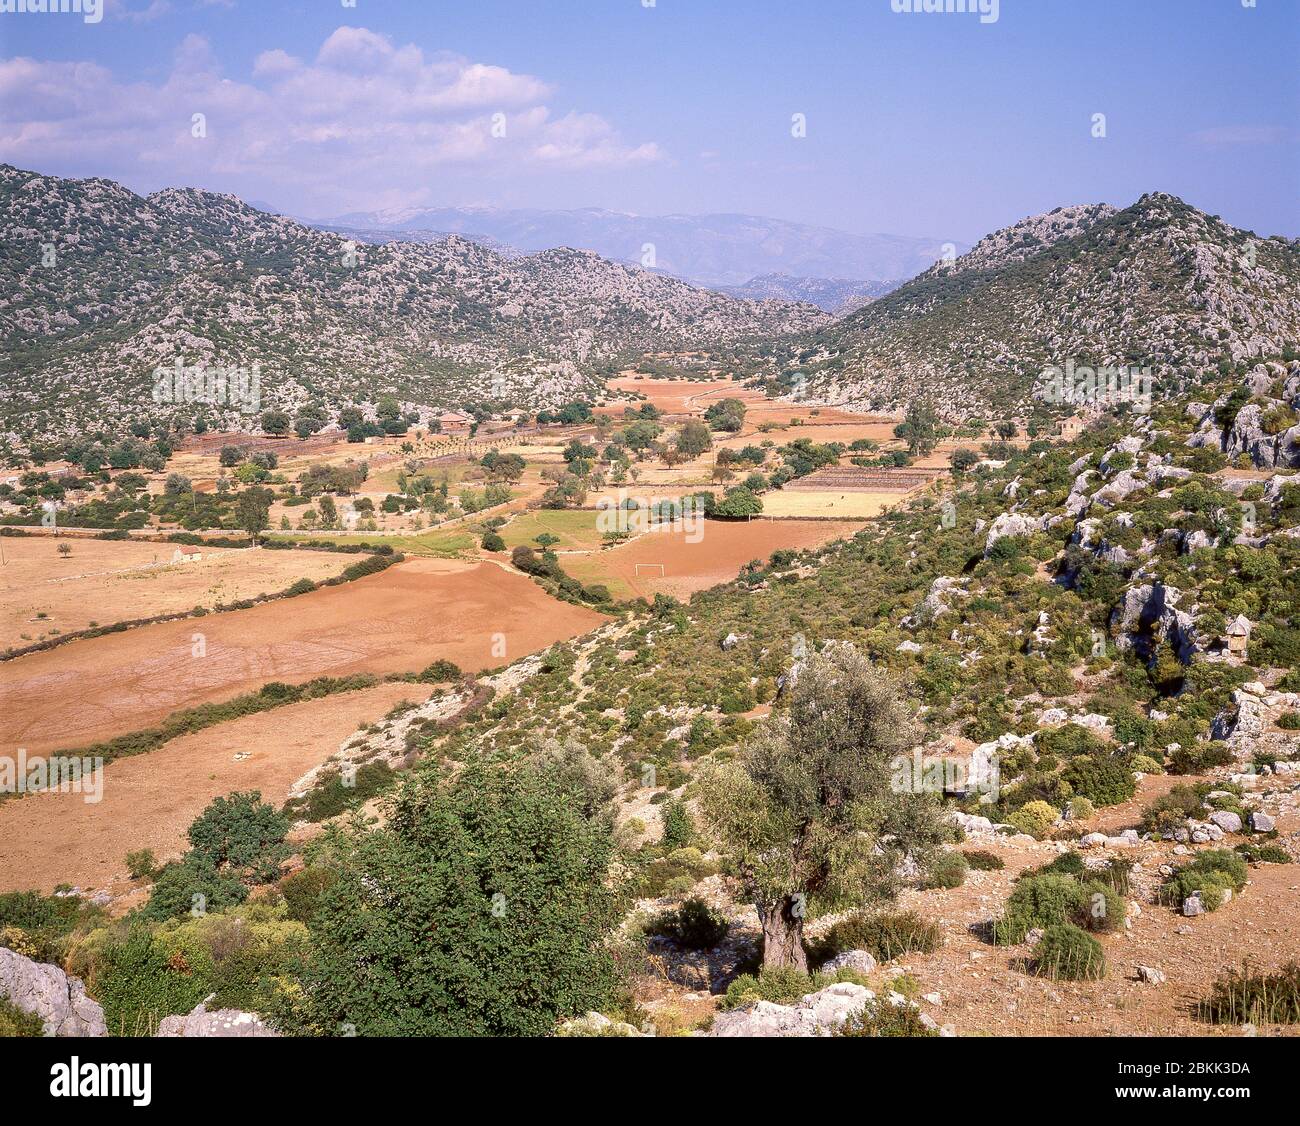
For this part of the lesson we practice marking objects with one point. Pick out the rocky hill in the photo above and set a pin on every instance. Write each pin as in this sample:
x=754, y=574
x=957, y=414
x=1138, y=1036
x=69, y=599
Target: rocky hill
x=1158, y=284
x=102, y=286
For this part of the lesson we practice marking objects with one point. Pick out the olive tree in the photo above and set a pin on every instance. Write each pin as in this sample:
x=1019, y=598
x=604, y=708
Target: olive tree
x=807, y=813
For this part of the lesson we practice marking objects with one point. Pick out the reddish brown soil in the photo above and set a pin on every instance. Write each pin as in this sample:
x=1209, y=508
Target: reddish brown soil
x=985, y=989
x=400, y=620
x=150, y=800
x=723, y=548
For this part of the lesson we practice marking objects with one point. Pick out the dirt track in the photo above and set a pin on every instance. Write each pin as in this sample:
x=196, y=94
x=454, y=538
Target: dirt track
x=400, y=620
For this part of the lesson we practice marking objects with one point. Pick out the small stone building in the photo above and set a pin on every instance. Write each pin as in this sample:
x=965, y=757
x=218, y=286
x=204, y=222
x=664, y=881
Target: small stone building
x=1238, y=635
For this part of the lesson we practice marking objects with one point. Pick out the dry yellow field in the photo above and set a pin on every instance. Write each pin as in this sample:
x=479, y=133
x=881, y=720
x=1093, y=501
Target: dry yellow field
x=106, y=581
x=841, y=506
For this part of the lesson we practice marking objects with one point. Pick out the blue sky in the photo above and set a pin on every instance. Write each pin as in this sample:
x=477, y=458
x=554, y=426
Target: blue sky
x=917, y=123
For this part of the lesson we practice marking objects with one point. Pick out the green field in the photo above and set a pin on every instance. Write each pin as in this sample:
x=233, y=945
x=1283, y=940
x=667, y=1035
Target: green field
x=443, y=543
x=575, y=529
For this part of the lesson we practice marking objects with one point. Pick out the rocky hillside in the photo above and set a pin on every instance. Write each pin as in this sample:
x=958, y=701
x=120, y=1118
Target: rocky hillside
x=1158, y=284
x=102, y=286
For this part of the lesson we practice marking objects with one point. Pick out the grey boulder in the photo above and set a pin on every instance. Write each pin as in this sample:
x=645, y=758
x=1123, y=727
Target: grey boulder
x=47, y=992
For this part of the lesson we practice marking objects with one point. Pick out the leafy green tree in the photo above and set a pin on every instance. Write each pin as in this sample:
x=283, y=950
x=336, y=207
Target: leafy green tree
x=482, y=907
x=808, y=814
x=253, y=510
x=238, y=830
x=739, y=502
x=694, y=439
x=963, y=460
x=275, y=422
x=918, y=428
x=726, y=414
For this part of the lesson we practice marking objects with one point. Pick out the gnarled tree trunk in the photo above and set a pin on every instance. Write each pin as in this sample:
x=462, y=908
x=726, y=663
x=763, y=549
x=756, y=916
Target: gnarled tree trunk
x=783, y=933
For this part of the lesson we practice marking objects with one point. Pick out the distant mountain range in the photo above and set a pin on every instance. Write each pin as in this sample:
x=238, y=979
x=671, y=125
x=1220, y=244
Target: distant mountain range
x=1158, y=284
x=102, y=286
x=834, y=295
x=707, y=250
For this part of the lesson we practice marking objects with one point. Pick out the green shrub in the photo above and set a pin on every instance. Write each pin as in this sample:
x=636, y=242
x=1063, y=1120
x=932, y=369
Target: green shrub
x=694, y=925
x=984, y=861
x=141, y=864
x=1081, y=809
x=1106, y=909
x=1263, y=854
x=1198, y=758
x=679, y=829
x=1249, y=996
x=1040, y=901
x=1069, y=954
x=879, y=1018
x=302, y=891
x=1034, y=818
x=781, y=985
x=1211, y=873
x=192, y=884
x=1144, y=764
x=138, y=984
x=15, y=1022
x=885, y=935
x=441, y=672
x=948, y=871
x=238, y=831
x=332, y=795
x=486, y=897
x=1067, y=864
x=1103, y=781
x=679, y=871
x=1171, y=810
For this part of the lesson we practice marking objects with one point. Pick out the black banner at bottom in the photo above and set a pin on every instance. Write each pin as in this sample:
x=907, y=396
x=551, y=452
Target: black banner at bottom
x=334, y=1075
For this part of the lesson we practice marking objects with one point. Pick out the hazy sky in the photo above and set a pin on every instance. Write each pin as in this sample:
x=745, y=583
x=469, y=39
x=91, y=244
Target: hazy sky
x=936, y=124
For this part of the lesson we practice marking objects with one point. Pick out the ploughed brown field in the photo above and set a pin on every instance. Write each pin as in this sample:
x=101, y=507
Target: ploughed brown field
x=149, y=801
x=477, y=615
x=688, y=396
x=722, y=548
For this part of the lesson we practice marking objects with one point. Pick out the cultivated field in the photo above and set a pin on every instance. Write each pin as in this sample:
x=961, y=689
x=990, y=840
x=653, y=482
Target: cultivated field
x=575, y=528
x=479, y=616
x=149, y=800
x=43, y=593
x=824, y=503
x=633, y=569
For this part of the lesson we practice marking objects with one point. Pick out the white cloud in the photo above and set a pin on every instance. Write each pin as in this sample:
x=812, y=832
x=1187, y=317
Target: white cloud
x=364, y=116
x=120, y=10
